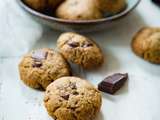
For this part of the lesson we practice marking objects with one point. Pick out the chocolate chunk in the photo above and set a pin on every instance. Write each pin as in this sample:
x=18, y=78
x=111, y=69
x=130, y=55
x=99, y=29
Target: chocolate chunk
x=73, y=86
x=39, y=55
x=66, y=97
x=87, y=45
x=73, y=44
x=37, y=64
x=72, y=108
x=113, y=83
x=75, y=93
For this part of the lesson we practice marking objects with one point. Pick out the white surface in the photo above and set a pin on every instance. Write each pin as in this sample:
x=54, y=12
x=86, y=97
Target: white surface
x=138, y=100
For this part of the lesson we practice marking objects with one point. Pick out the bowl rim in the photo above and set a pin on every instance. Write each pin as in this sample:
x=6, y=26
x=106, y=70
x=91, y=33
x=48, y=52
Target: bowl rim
x=47, y=17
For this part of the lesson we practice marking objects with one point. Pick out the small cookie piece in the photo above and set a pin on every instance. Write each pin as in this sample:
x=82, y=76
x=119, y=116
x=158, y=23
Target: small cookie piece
x=80, y=50
x=146, y=44
x=111, y=6
x=41, y=67
x=78, y=10
x=72, y=98
x=38, y=5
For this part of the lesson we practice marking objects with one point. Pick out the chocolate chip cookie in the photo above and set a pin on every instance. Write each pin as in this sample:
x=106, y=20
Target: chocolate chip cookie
x=146, y=44
x=79, y=10
x=41, y=67
x=80, y=50
x=112, y=6
x=72, y=98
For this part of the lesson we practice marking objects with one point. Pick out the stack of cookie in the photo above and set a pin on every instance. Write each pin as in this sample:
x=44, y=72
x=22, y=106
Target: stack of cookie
x=47, y=69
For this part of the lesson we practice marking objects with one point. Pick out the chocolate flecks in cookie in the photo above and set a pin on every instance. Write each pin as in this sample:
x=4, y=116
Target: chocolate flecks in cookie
x=37, y=64
x=87, y=45
x=73, y=108
x=113, y=83
x=75, y=93
x=73, y=44
x=39, y=55
x=66, y=97
x=73, y=85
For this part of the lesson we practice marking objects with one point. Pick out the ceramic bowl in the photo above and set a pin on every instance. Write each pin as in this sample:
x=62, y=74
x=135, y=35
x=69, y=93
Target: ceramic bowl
x=78, y=25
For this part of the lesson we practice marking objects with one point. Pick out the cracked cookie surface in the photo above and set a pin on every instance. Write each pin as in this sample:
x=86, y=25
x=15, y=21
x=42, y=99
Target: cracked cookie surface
x=146, y=44
x=41, y=67
x=80, y=50
x=72, y=98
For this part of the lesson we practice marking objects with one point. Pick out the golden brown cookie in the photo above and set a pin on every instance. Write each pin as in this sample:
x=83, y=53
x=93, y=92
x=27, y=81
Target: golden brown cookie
x=111, y=6
x=72, y=98
x=79, y=10
x=41, y=67
x=80, y=50
x=146, y=44
x=38, y=5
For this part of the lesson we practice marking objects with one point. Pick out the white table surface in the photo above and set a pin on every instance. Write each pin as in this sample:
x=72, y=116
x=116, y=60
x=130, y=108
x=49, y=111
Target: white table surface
x=139, y=99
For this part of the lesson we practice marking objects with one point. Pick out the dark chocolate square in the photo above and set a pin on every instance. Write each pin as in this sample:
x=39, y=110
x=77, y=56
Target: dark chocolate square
x=113, y=83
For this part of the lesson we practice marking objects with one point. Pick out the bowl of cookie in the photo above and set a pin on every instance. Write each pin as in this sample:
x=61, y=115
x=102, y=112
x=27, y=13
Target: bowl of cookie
x=78, y=15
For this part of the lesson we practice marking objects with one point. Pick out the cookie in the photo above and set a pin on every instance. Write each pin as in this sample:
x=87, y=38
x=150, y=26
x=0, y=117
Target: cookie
x=38, y=5
x=78, y=10
x=52, y=4
x=41, y=67
x=80, y=50
x=111, y=6
x=72, y=98
x=146, y=44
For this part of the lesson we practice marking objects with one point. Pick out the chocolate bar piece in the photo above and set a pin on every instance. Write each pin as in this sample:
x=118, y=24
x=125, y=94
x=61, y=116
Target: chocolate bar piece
x=113, y=83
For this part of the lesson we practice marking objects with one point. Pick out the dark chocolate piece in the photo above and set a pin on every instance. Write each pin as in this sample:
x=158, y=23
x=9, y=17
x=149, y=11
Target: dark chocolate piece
x=39, y=55
x=66, y=97
x=75, y=93
x=37, y=64
x=113, y=83
x=73, y=44
x=73, y=85
x=87, y=45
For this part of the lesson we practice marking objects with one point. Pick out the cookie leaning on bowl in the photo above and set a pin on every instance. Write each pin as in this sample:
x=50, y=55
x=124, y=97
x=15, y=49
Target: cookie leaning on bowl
x=41, y=67
x=72, y=98
x=146, y=44
x=80, y=50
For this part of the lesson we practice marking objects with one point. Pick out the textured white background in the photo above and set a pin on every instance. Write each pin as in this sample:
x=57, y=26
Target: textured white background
x=138, y=100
